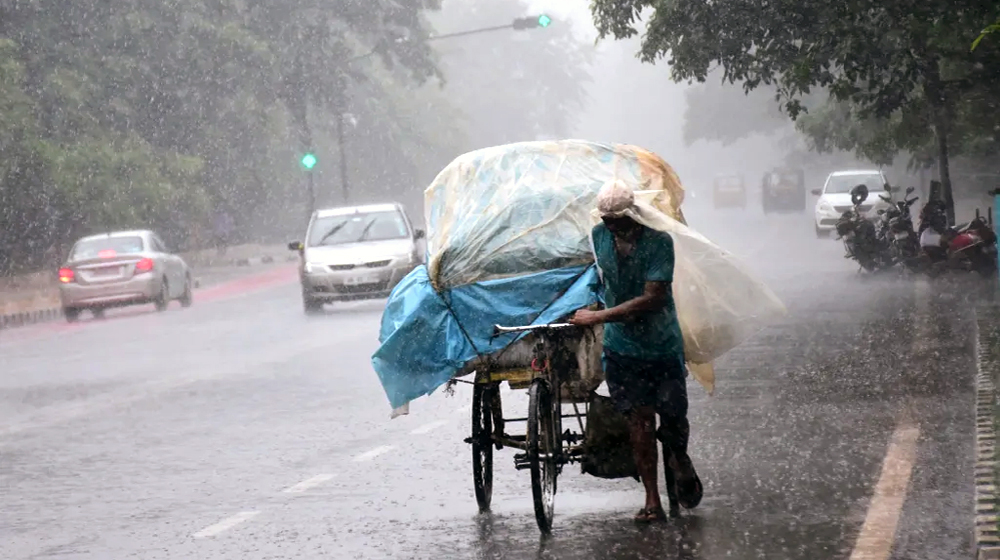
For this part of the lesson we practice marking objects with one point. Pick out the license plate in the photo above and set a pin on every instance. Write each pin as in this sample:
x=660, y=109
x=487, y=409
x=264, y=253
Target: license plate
x=359, y=280
x=104, y=272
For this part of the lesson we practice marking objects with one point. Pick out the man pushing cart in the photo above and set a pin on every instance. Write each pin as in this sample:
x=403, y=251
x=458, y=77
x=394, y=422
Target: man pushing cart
x=643, y=346
x=584, y=246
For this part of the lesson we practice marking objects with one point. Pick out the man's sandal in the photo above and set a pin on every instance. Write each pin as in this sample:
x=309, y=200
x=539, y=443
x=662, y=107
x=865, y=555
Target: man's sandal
x=648, y=515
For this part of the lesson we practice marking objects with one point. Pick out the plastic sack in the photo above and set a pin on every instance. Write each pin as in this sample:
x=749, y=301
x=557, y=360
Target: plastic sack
x=608, y=447
x=524, y=208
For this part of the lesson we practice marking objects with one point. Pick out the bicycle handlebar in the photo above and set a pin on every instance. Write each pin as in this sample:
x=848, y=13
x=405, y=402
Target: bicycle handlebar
x=499, y=330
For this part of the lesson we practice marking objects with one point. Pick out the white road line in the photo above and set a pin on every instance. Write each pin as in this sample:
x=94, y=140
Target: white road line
x=225, y=524
x=922, y=339
x=369, y=455
x=879, y=530
x=308, y=483
x=429, y=426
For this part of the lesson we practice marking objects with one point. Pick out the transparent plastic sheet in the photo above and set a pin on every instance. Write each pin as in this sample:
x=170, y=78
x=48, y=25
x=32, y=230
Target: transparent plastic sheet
x=523, y=208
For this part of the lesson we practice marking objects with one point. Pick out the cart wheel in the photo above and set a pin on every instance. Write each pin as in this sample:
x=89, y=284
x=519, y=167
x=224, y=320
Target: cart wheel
x=542, y=453
x=482, y=445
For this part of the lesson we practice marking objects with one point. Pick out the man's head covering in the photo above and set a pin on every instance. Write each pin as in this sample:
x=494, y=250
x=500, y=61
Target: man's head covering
x=615, y=199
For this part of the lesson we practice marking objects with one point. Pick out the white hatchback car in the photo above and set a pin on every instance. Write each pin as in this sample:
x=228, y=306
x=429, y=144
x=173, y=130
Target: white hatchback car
x=835, y=197
x=356, y=252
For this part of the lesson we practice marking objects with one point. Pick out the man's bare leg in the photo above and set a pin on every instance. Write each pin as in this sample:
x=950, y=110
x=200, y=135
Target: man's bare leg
x=642, y=425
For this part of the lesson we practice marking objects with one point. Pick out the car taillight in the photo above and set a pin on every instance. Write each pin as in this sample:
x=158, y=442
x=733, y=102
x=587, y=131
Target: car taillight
x=144, y=265
x=66, y=275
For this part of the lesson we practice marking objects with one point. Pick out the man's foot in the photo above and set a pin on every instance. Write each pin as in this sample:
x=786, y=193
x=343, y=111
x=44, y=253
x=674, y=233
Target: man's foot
x=651, y=514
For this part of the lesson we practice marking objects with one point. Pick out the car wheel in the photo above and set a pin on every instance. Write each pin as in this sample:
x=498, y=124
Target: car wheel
x=72, y=314
x=187, y=298
x=163, y=300
x=311, y=306
x=98, y=313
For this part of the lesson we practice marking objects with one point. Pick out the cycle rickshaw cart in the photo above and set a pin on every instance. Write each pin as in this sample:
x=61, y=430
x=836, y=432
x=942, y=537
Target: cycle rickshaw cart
x=558, y=391
x=508, y=244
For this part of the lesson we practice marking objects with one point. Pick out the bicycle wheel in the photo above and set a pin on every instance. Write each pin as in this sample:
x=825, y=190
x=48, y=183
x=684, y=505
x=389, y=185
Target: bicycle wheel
x=542, y=453
x=482, y=444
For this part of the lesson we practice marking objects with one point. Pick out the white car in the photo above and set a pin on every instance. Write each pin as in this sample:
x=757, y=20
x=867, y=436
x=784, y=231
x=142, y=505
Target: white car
x=356, y=252
x=835, y=197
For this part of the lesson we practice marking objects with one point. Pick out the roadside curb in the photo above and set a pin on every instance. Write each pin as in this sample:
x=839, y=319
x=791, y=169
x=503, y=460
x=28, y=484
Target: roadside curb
x=36, y=316
x=25, y=318
x=986, y=505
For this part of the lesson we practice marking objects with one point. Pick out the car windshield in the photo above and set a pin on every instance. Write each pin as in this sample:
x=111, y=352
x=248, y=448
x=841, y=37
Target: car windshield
x=107, y=247
x=354, y=228
x=784, y=179
x=844, y=183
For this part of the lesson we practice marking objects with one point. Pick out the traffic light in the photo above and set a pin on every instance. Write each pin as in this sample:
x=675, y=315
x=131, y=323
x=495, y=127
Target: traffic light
x=308, y=161
x=532, y=22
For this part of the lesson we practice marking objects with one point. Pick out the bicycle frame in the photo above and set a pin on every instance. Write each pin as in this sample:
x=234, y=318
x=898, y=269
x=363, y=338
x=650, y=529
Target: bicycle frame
x=546, y=365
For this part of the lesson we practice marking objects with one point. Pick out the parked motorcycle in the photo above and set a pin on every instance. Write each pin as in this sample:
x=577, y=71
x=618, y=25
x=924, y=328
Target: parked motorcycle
x=861, y=239
x=896, y=229
x=967, y=247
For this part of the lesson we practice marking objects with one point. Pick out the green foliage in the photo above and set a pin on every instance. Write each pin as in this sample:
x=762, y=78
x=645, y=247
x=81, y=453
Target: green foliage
x=165, y=113
x=160, y=114
x=900, y=73
x=992, y=28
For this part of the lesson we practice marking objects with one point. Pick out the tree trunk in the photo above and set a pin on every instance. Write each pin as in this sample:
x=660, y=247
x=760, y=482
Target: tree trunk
x=941, y=114
x=944, y=172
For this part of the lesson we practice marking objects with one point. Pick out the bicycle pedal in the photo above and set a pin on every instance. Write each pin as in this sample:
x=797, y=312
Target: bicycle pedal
x=521, y=461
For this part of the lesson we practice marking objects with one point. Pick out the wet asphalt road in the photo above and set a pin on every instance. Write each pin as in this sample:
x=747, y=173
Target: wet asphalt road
x=241, y=429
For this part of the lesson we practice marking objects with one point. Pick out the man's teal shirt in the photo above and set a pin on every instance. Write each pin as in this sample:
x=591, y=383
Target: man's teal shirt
x=656, y=335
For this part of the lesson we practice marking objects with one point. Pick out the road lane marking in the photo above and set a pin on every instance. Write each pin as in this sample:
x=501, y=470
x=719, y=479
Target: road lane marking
x=308, y=483
x=225, y=524
x=369, y=455
x=879, y=530
x=923, y=338
x=429, y=426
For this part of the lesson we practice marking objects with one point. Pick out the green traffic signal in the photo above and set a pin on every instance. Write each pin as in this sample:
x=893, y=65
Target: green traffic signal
x=531, y=22
x=308, y=161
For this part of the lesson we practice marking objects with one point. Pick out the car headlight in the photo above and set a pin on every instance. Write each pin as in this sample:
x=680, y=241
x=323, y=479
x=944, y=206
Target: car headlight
x=312, y=267
x=825, y=206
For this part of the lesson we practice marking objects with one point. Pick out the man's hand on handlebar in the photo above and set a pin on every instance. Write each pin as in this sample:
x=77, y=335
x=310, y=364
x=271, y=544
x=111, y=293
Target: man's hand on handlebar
x=586, y=318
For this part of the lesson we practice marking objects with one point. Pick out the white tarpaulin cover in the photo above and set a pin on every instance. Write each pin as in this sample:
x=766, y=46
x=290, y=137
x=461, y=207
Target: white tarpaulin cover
x=522, y=208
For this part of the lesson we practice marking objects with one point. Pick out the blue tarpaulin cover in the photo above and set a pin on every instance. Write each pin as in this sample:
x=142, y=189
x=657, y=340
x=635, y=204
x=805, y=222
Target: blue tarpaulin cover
x=423, y=345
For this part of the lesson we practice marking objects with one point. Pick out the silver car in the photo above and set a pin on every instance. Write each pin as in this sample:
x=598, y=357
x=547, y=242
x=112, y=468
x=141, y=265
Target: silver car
x=356, y=252
x=122, y=268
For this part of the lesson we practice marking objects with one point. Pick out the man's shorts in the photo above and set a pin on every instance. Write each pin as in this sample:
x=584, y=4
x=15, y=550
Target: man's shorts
x=636, y=383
